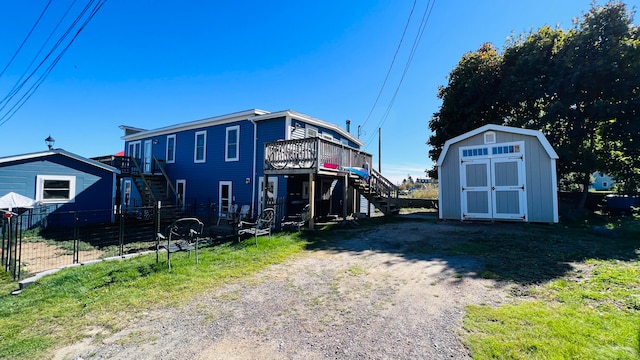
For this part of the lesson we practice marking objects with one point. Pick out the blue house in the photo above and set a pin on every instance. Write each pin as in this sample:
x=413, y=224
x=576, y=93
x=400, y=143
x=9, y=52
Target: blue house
x=236, y=158
x=62, y=183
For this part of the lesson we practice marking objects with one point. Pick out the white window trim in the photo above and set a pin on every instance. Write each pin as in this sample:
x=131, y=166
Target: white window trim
x=171, y=161
x=132, y=149
x=204, y=149
x=226, y=144
x=40, y=179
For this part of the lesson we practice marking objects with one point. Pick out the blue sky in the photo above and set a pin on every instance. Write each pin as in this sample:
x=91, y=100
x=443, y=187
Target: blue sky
x=150, y=64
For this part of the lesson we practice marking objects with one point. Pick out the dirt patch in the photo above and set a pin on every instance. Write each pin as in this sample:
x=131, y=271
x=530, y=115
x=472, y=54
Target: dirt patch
x=40, y=256
x=384, y=292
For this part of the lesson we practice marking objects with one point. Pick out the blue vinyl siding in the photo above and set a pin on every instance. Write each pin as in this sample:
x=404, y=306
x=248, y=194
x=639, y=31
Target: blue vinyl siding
x=202, y=179
x=321, y=129
x=94, y=186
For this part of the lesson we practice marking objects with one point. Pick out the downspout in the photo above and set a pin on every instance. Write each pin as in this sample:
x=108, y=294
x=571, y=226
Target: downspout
x=255, y=154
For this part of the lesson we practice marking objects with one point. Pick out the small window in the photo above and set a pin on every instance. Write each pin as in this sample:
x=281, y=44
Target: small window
x=232, y=147
x=311, y=131
x=490, y=137
x=55, y=188
x=327, y=136
x=171, y=148
x=200, y=149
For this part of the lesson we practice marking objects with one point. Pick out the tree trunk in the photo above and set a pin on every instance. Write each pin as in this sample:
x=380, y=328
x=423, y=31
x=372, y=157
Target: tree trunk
x=583, y=199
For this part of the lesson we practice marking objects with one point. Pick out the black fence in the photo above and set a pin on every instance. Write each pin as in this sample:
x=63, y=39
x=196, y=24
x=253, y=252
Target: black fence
x=36, y=240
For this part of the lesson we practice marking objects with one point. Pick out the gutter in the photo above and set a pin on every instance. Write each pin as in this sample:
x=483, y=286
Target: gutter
x=255, y=154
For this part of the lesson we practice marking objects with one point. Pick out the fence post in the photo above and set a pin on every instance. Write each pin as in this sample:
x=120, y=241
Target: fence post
x=76, y=247
x=156, y=208
x=120, y=217
x=19, y=243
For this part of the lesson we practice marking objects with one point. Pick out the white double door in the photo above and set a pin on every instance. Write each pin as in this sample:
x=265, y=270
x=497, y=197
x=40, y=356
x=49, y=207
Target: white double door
x=493, y=188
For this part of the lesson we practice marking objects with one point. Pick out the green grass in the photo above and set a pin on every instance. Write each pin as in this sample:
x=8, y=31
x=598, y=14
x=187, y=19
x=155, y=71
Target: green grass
x=595, y=318
x=62, y=308
x=593, y=313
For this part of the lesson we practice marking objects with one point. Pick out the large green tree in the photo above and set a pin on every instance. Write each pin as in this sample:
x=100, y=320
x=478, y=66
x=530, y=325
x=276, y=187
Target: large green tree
x=581, y=88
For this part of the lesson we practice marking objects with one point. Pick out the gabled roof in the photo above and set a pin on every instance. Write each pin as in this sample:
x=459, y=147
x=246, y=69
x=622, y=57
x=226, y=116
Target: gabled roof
x=251, y=115
x=310, y=120
x=492, y=127
x=62, y=152
x=216, y=120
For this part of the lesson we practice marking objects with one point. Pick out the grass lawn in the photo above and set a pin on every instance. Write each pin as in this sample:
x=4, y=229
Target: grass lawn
x=64, y=307
x=591, y=311
x=576, y=292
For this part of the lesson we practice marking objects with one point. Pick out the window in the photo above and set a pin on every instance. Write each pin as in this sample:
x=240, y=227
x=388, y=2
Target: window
x=134, y=150
x=200, y=149
x=311, y=131
x=232, y=147
x=55, y=188
x=490, y=137
x=127, y=193
x=171, y=149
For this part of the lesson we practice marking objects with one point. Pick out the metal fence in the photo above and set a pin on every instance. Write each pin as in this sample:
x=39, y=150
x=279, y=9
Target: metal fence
x=41, y=239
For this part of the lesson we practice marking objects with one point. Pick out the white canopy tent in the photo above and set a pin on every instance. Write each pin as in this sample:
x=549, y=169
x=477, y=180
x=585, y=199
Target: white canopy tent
x=13, y=200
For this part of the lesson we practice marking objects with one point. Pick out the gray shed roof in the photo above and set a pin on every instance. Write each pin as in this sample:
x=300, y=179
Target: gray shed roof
x=492, y=127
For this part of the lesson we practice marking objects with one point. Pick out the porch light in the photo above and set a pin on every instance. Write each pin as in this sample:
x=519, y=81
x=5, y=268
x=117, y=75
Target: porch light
x=50, y=141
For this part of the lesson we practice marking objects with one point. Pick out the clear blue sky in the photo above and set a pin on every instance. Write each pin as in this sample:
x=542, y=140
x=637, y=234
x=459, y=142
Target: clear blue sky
x=150, y=64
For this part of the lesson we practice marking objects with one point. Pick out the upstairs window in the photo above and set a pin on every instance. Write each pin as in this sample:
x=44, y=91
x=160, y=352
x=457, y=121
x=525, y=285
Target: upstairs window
x=232, y=148
x=200, y=149
x=171, y=149
x=55, y=188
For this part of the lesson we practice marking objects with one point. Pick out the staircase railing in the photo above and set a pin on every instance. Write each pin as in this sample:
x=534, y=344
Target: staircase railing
x=136, y=170
x=383, y=186
x=160, y=165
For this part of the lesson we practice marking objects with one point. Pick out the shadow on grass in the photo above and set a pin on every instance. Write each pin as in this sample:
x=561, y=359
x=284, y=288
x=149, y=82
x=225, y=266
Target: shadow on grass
x=521, y=253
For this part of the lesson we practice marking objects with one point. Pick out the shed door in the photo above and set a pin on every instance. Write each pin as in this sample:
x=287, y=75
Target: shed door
x=507, y=174
x=476, y=188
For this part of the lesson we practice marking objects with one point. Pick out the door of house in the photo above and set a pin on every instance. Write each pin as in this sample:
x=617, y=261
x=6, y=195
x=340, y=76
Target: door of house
x=492, y=178
x=272, y=191
x=225, y=197
x=181, y=185
x=147, y=156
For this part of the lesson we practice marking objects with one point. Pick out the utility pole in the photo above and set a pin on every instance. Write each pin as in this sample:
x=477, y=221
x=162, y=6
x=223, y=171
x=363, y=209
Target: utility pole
x=380, y=150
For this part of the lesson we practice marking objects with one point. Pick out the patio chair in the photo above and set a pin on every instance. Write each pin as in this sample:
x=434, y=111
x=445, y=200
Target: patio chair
x=181, y=235
x=244, y=212
x=228, y=215
x=262, y=226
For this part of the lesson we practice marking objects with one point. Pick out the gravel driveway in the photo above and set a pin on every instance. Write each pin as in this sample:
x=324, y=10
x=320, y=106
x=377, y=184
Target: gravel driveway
x=371, y=298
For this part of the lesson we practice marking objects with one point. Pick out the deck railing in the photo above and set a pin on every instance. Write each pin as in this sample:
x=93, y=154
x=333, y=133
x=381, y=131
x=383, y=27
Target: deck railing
x=312, y=154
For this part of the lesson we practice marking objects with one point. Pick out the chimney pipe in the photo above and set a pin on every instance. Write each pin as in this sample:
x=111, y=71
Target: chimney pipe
x=348, y=126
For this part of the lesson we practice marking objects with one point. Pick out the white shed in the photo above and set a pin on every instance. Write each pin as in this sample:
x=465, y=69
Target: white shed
x=498, y=173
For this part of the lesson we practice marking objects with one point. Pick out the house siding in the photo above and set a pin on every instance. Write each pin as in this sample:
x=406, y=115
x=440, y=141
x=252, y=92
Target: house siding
x=203, y=179
x=95, y=187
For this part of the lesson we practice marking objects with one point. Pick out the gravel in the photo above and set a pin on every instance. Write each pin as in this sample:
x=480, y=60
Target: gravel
x=373, y=298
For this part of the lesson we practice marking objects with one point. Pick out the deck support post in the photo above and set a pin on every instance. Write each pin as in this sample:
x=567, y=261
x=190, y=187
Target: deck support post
x=312, y=200
x=265, y=186
x=345, y=197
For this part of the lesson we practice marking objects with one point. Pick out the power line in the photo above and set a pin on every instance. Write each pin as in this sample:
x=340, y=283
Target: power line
x=20, y=102
x=391, y=65
x=20, y=83
x=26, y=38
x=416, y=42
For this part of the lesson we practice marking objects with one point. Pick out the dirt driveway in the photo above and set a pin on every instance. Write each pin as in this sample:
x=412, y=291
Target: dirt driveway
x=370, y=296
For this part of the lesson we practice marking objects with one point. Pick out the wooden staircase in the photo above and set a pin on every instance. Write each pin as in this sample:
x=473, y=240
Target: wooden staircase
x=153, y=187
x=380, y=192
